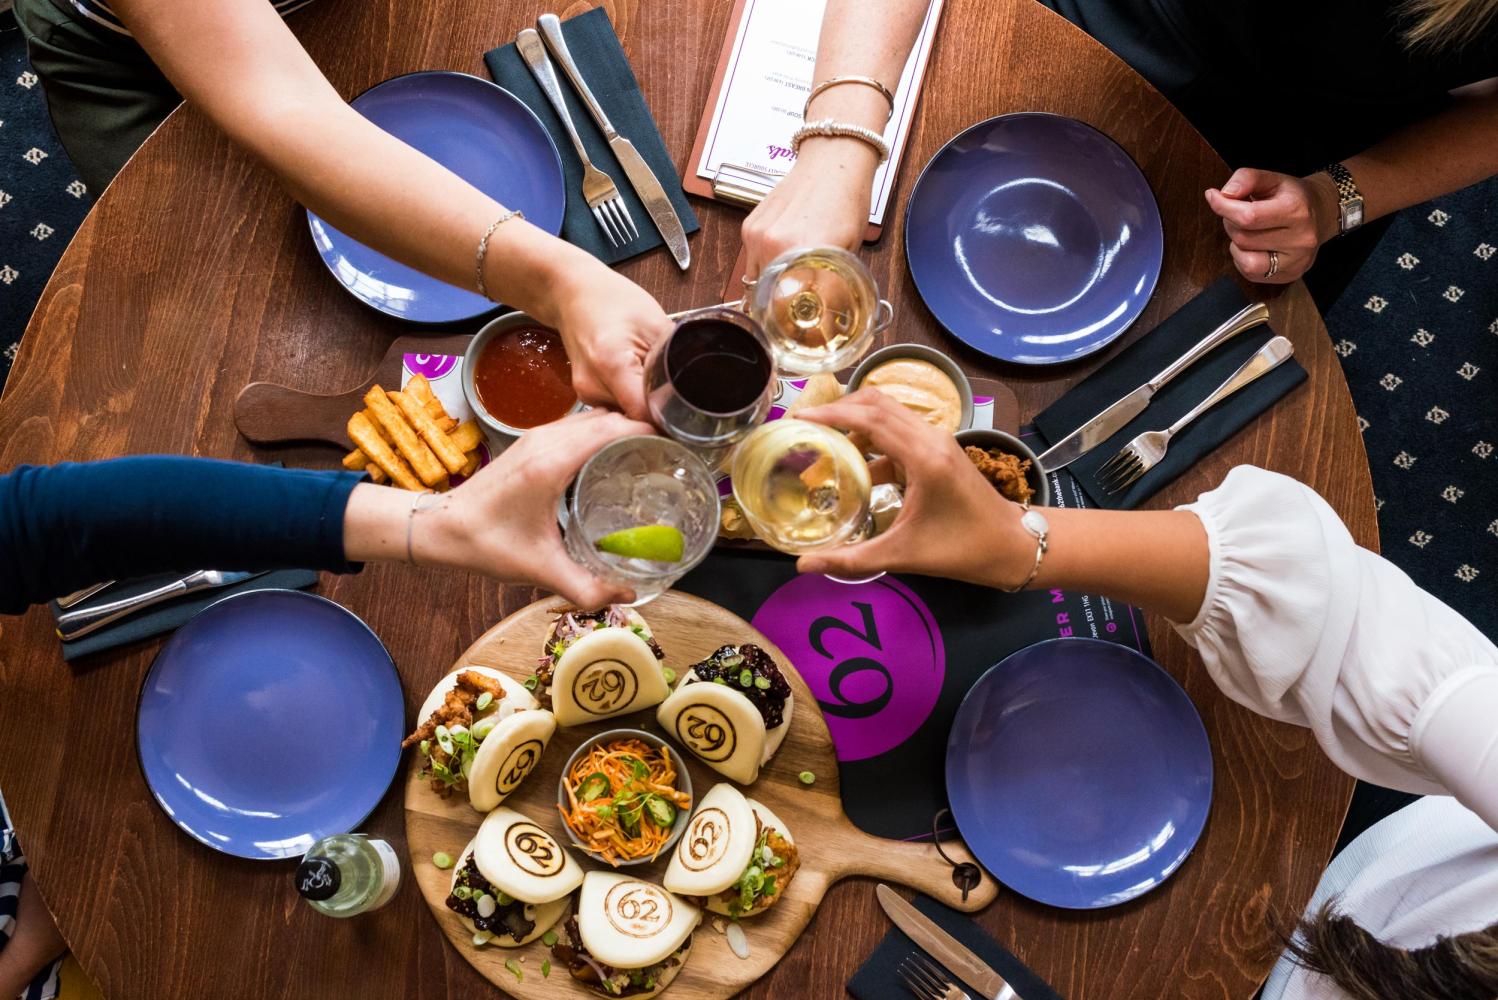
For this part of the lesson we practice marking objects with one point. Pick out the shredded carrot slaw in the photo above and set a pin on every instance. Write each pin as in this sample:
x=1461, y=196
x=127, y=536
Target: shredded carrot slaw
x=635, y=771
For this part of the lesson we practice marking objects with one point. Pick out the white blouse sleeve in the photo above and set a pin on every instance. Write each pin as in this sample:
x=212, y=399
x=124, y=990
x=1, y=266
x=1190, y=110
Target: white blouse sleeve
x=1302, y=625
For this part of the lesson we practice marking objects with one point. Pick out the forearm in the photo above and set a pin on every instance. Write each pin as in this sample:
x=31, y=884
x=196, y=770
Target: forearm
x=1441, y=154
x=66, y=526
x=259, y=85
x=1155, y=560
x=861, y=39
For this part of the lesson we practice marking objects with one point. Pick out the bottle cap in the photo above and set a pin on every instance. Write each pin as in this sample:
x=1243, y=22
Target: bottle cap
x=317, y=879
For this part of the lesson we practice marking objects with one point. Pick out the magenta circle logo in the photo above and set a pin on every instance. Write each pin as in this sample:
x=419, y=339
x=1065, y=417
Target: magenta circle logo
x=870, y=652
x=430, y=365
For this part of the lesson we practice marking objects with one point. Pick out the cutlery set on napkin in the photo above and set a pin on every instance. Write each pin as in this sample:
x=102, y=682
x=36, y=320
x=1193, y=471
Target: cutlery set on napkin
x=607, y=219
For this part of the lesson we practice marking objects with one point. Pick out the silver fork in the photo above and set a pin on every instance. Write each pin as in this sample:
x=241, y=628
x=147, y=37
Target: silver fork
x=598, y=187
x=927, y=980
x=1145, y=451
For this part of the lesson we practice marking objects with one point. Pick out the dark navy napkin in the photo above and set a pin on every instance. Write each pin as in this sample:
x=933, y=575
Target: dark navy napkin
x=1140, y=362
x=168, y=616
x=595, y=47
x=877, y=979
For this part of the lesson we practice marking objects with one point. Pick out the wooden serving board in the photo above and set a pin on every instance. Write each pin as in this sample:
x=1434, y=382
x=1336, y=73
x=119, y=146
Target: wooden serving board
x=831, y=847
x=267, y=413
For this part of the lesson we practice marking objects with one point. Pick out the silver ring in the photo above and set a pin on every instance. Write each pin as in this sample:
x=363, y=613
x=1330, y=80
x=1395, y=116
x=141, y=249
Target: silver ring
x=1274, y=264
x=748, y=281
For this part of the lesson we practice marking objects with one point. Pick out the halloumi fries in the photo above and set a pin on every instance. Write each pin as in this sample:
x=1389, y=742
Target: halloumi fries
x=406, y=437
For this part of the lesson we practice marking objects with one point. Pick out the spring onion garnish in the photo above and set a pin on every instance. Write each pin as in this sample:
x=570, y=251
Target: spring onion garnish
x=484, y=701
x=545, y=966
x=514, y=968
x=669, y=674
x=482, y=938
x=549, y=938
x=806, y=777
x=532, y=682
x=442, y=859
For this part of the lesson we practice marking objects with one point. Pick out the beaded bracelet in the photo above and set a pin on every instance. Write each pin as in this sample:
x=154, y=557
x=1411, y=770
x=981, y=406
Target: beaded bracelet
x=484, y=247
x=832, y=127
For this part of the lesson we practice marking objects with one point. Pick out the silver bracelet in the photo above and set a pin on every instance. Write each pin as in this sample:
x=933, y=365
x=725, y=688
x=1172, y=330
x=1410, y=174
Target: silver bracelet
x=417, y=505
x=833, y=127
x=1036, y=525
x=484, y=247
x=863, y=81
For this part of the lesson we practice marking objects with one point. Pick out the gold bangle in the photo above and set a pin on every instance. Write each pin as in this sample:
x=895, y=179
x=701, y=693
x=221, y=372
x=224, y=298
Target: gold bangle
x=507, y=215
x=862, y=81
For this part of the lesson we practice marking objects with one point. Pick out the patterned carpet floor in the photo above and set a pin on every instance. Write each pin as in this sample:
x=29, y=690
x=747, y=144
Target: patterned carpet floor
x=1417, y=331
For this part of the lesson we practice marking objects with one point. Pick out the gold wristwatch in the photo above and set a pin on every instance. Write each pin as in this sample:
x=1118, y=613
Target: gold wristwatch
x=1349, y=198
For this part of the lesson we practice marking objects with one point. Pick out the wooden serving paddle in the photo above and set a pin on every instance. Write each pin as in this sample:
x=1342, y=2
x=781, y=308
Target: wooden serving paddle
x=267, y=413
x=831, y=848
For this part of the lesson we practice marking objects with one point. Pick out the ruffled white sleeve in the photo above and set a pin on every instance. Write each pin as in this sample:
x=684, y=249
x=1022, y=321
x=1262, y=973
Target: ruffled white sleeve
x=1302, y=625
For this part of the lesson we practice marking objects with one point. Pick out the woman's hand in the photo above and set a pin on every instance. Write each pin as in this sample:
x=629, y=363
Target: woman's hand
x=1263, y=211
x=502, y=523
x=608, y=324
x=823, y=201
x=953, y=522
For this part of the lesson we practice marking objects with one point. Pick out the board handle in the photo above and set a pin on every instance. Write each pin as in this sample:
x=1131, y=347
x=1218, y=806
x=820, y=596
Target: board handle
x=918, y=866
x=267, y=413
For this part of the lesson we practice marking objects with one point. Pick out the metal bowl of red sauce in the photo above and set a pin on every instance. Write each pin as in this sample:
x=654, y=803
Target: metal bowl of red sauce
x=516, y=375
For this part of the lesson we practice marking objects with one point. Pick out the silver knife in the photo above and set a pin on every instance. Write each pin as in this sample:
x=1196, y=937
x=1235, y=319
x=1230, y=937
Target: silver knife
x=943, y=947
x=76, y=624
x=1105, y=424
x=645, y=183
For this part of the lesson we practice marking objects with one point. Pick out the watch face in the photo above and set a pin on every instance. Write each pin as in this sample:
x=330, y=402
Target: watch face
x=1352, y=214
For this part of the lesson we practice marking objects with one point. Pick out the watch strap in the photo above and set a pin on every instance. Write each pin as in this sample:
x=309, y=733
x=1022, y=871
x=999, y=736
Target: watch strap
x=1347, y=188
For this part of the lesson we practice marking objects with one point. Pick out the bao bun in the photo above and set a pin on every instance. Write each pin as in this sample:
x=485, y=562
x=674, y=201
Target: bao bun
x=521, y=859
x=516, y=698
x=605, y=672
x=722, y=727
x=715, y=849
x=628, y=923
x=718, y=846
x=507, y=755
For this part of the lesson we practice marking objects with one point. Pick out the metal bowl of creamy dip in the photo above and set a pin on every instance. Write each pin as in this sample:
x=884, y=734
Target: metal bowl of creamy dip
x=921, y=378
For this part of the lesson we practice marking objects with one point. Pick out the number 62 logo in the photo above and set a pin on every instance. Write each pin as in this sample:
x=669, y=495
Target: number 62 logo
x=870, y=652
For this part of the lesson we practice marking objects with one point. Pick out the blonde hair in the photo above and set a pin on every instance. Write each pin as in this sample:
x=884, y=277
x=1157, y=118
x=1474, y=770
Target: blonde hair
x=1436, y=25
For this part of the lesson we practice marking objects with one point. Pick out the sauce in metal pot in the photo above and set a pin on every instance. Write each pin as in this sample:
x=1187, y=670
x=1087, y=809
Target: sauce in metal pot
x=524, y=378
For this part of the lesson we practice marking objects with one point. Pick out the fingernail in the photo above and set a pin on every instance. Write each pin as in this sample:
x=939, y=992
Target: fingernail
x=1231, y=190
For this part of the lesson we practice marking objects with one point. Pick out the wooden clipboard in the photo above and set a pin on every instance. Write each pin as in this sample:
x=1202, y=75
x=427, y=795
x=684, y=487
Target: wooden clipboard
x=705, y=188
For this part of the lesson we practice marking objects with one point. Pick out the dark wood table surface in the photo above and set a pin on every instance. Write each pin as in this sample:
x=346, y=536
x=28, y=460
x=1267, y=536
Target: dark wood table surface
x=194, y=275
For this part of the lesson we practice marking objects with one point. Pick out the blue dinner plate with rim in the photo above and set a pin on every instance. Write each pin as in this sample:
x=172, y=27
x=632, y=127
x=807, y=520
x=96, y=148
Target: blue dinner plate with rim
x=1079, y=773
x=1034, y=238
x=271, y=719
x=479, y=131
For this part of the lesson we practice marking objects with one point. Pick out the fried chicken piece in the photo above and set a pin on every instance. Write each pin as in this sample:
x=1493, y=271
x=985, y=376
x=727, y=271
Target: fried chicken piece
x=457, y=707
x=1005, y=471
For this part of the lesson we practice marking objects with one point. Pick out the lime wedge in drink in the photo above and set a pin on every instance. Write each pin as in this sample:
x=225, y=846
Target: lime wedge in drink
x=656, y=542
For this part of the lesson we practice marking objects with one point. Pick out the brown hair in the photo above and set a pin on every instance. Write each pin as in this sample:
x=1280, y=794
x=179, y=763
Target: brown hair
x=1436, y=25
x=1460, y=967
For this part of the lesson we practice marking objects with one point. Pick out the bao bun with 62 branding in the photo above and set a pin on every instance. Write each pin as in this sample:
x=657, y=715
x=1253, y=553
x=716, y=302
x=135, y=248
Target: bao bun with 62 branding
x=627, y=938
x=736, y=856
x=600, y=664
x=512, y=882
x=479, y=732
x=732, y=711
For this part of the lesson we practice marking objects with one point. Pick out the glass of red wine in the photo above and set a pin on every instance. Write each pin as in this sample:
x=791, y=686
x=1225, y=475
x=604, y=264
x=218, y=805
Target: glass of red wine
x=710, y=381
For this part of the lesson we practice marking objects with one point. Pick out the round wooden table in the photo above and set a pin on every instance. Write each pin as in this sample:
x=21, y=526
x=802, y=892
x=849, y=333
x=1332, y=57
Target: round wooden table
x=194, y=275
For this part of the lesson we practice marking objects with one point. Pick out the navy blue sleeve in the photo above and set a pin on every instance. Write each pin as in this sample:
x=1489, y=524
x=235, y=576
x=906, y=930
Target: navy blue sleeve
x=65, y=526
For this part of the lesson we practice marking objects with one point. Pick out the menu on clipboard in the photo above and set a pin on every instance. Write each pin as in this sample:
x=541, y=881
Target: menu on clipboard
x=764, y=74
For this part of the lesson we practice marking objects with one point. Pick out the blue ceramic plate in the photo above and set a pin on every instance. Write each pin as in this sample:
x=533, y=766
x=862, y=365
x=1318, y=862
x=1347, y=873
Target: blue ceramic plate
x=271, y=719
x=1079, y=773
x=1034, y=238
x=480, y=132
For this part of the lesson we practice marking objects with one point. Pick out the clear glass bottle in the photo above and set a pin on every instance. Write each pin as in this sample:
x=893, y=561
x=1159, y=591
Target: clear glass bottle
x=348, y=873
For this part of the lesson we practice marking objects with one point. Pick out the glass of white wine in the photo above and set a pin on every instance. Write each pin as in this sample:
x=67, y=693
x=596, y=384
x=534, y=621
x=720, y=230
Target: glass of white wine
x=801, y=486
x=820, y=309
